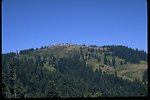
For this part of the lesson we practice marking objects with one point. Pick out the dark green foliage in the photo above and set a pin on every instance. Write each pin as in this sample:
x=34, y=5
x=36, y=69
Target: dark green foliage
x=81, y=52
x=11, y=88
x=83, y=45
x=52, y=60
x=107, y=54
x=8, y=55
x=91, y=49
x=42, y=47
x=72, y=77
x=4, y=86
x=145, y=76
x=12, y=78
x=93, y=45
x=128, y=54
x=113, y=61
x=121, y=63
x=45, y=47
x=17, y=52
x=27, y=51
x=125, y=62
x=98, y=58
x=105, y=60
x=52, y=91
x=109, y=62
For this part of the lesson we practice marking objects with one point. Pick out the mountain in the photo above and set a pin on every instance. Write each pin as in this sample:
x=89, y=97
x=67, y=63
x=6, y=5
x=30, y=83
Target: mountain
x=71, y=70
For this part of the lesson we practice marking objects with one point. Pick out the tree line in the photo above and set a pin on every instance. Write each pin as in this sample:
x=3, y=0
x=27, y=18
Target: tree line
x=28, y=78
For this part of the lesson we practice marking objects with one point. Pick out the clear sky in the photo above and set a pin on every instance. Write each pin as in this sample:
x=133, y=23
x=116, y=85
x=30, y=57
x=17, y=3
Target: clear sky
x=34, y=23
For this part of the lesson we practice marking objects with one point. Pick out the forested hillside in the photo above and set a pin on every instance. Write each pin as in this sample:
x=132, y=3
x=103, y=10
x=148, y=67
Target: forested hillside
x=70, y=70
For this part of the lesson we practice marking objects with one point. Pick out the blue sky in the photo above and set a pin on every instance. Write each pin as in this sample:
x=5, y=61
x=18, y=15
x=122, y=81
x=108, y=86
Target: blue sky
x=34, y=23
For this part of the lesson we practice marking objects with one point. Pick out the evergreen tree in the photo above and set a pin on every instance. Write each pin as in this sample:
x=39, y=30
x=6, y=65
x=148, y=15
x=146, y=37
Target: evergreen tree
x=83, y=45
x=113, y=61
x=105, y=60
x=81, y=51
x=42, y=47
x=20, y=91
x=125, y=62
x=121, y=63
x=109, y=62
x=145, y=76
x=52, y=91
x=72, y=76
x=99, y=59
x=17, y=53
x=12, y=78
x=3, y=85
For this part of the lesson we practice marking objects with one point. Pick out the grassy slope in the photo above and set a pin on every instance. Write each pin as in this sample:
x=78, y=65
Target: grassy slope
x=132, y=71
x=126, y=71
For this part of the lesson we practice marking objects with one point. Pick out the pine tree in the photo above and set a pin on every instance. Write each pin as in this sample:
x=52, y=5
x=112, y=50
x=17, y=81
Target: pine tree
x=8, y=94
x=12, y=79
x=81, y=51
x=20, y=90
x=17, y=53
x=52, y=91
x=121, y=63
x=125, y=62
x=99, y=59
x=105, y=60
x=113, y=61
x=3, y=85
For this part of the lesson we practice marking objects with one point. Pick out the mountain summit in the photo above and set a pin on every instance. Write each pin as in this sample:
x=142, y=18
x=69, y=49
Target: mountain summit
x=71, y=70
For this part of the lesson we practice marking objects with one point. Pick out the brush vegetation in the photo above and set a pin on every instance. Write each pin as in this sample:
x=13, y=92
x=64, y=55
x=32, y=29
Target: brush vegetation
x=71, y=70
